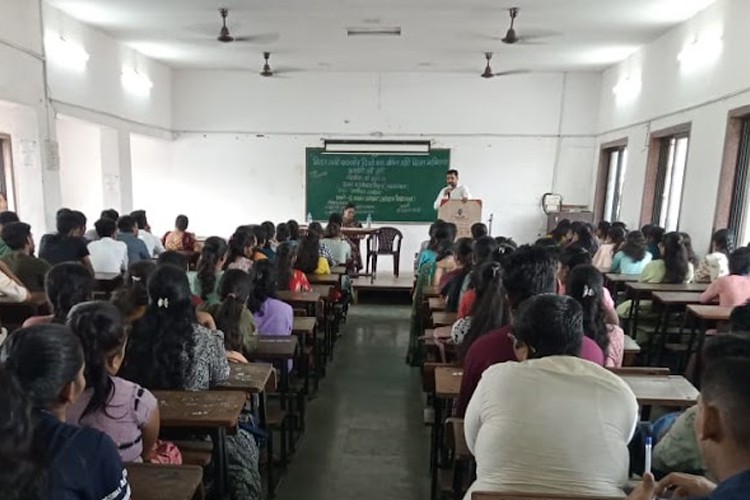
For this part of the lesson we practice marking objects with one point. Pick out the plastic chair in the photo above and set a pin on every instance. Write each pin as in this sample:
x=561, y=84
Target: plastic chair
x=387, y=242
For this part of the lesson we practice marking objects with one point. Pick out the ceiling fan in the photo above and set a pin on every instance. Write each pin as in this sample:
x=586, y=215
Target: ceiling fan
x=267, y=71
x=225, y=36
x=488, y=73
x=511, y=36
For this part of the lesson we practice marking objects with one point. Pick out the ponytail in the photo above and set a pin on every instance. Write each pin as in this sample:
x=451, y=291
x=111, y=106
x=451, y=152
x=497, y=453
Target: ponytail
x=286, y=254
x=489, y=309
x=99, y=326
x=235, y=289
x=676, y=258
x=213, y=251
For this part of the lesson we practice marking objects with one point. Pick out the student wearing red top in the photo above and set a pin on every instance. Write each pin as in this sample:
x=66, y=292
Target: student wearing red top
x=290, y=279
x=530, y=271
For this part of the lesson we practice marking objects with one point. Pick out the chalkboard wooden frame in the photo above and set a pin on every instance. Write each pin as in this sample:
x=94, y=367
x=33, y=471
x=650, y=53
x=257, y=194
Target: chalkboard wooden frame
x=398, y=188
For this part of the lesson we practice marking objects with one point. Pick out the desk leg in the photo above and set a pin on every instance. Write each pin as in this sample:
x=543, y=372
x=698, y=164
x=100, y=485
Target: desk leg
x=220, y=462
x=435, y=448
x=634, y=315
x=659, y=337
x=263, y=420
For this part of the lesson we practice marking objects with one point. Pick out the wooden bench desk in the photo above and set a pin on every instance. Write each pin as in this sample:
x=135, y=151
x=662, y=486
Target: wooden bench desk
x=672, y=391
x=444, y=318
x=440, y=333
x=282, y=349
x=306, y=328
x=436, y=304
x=165, y=482
x=338, y=270
x=211, y=411
x=670, y=302
x=14, y=314
x=630, y=351
x=479, y=495
x=431, y=291
x=710, y=312
x=324, y=279
x=108, y=282
x=616, y=282
x=303, y=300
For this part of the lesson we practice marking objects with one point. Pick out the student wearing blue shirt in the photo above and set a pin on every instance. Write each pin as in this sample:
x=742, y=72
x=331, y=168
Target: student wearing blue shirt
x=722, y=427
x=41, y=374
x=128, y=234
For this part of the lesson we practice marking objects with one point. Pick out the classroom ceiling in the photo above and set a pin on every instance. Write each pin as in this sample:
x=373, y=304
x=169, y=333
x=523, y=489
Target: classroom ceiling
x=437, y=35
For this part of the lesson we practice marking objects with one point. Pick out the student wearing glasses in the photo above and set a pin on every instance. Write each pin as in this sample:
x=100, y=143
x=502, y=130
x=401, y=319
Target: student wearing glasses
x=552, y=423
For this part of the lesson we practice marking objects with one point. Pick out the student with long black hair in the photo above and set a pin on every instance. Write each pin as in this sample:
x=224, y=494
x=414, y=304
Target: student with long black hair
x=716, y=263
x=312, y=256
x=132, y=298
x=125, y=411
x=241, y=248
x=289, y=278
x=205, y=280
x=66, y=285
x=633, y=255
x=674, y=265
x=586, y=285
x=41, y=375
x=272, y=316
x=232, y=315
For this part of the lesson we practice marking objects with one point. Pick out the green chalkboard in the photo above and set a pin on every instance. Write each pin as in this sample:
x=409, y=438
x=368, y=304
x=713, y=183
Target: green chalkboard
x=393, y=188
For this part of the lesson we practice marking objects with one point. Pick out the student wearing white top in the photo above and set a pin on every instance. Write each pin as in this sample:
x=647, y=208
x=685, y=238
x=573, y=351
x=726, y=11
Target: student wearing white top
x=153, y=243
x=11, y=289
x=107, y=254
x=453, y=191
x=552, y=423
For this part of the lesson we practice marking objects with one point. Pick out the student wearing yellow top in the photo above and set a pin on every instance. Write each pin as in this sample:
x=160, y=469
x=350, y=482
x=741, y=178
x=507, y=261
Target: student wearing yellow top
x=311, y=258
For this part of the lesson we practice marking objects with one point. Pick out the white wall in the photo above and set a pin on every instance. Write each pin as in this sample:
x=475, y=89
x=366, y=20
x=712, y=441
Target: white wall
x=242, y=139
x=80, y=166
x=671, y=96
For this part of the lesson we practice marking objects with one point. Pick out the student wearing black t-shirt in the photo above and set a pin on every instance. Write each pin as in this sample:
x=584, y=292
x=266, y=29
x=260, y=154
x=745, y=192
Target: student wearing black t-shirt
x=68, y=245
x=41, y=374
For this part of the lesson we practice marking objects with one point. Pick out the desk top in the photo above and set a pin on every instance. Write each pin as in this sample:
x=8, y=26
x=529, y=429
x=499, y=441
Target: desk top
x=322, y=289
x=631, y=345
x=444, y=318
x=200, y=408
x=621, y=278
x=431, y=291
x=448, y=381
x=441, y=332
x=338, y=270
x=667, y=287
x=298, y=297
x=711, y=313
x=436, y=304
x=163, y=482
x=672, y=390
x=107, y=276
x=324, y=279
x=250, y=378
x=675, y=298
x=270, y=347
x=304, y=325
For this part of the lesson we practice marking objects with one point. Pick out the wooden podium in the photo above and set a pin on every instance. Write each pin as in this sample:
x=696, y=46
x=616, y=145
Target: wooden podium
x=462, y=213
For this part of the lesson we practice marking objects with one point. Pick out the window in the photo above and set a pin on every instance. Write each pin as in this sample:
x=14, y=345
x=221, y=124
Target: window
x=618, y=159
x=610, y=181
x=670, y=174
x=739, y=218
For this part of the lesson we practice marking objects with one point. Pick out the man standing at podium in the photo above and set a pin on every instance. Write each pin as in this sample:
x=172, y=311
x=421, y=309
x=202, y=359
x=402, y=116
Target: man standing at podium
x=453, y=191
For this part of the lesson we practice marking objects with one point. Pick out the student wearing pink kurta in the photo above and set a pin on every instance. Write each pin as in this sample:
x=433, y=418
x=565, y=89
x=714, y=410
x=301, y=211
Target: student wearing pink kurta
x=732, y=290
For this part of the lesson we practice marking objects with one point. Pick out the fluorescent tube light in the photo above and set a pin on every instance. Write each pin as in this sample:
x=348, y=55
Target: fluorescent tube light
x=65, y=53
x=378, y=147
x=136, y=83
x=701, y=51
x=627, y=88
x=374, y=31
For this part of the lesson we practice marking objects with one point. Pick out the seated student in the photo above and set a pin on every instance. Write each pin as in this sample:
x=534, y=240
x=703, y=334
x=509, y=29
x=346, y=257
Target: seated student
x=440, y=233
x=109, y=213
x=610, y=246
x=553, y=423
x=270, y=230
x=312, y=257
x=674, y=266
x=12, y=290
x=570, y=257
x=168, y=350
x=204, y=281
x=583, y=237
x=153, y=243
x=488, y=311
x=529, y=271
x=6, y=218
x=128, y=234
x=67, y=284
x=586, y=285
x=633, y=256
x=46, y=237
x=485, y=249
x=451, y=283
x=106, y=253
x=263, y=245
x=479, y=230
x=293, y=227
x=132, y=298
x=21, y=261
x=232, y=315
x=426, y=243
x=68, y=244
x=723, y=432
x=602, y=232
x=272, y=316
x=716, y=263
x=179, y=239
x=241, y=248
x=41, y=375
x=732, y=290
x=289, y=278
x=653, y=237
x=562, y=234
x=282, y=232
x=125, y=411
x=340, y=247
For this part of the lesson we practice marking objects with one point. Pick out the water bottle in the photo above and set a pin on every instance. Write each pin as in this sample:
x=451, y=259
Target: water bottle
x=309, y=218
x=369, y=221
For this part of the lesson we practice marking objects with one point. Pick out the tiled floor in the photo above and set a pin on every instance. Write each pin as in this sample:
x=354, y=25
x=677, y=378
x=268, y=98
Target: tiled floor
x=365, y=438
